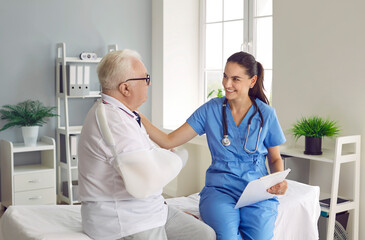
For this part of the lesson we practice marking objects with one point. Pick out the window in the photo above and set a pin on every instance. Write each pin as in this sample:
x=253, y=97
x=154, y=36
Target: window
x=229, y=26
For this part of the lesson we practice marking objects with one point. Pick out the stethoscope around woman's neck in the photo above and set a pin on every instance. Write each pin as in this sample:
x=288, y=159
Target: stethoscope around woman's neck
x=225, y=141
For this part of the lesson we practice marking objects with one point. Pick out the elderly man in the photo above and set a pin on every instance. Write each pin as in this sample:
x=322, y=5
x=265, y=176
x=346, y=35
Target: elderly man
x=121, y=171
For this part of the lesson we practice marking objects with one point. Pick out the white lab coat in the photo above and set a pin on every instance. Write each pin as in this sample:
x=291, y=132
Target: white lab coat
x=108, y=210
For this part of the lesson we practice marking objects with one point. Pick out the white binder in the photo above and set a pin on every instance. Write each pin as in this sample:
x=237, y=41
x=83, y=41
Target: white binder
x=86, y=83
x=80, y=79
x=72, y=91
x=73, y=150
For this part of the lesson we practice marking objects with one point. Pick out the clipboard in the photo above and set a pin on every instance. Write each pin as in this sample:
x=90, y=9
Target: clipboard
x=256, y=189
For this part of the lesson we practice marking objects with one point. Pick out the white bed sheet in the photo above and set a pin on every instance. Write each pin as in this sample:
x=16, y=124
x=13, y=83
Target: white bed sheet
x=298, y=214
x=298, y=211
x=42, y=222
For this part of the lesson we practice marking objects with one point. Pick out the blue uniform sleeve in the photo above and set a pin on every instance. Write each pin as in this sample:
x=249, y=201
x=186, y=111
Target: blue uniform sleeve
x=275, y=135
x=198, y=119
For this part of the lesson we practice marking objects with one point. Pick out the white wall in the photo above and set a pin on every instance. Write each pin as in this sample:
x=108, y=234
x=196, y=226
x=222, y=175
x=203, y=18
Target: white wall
x=319, y=59
x=175, y=61
x=175, y=71
x=30, y=30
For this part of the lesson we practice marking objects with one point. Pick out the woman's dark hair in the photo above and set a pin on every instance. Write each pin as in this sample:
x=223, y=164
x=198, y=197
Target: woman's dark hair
x=253, y=68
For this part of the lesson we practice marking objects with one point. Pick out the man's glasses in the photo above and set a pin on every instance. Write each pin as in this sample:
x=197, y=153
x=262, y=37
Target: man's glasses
x=147, y=79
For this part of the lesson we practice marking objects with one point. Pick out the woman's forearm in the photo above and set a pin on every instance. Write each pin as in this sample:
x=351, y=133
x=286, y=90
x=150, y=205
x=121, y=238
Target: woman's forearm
x=180, y=136
x=274, y=159
x=276, y=165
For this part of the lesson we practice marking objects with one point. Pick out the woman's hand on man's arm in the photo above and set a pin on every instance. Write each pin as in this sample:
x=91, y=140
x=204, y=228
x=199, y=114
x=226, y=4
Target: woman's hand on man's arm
x=176, y=138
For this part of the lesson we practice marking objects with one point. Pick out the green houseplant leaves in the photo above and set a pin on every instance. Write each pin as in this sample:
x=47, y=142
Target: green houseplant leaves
x=314, y=127
x=27, y=113
x=219, y=92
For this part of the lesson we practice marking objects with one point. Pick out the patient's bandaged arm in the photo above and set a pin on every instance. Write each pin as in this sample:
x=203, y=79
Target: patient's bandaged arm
x=146, y=172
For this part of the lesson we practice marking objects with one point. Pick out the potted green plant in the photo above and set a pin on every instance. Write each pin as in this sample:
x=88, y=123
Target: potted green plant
x=219, y=93
x=314, y=129
x=29, y=115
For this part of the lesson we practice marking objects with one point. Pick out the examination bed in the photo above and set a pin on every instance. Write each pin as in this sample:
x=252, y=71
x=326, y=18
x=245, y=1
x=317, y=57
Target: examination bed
x=299, y=211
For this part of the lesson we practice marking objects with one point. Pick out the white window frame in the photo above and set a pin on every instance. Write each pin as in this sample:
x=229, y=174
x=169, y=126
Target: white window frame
x=178, y=85
x=248, y=44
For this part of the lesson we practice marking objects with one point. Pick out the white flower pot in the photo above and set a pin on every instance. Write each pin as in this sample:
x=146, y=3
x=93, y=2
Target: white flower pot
x=30, y=135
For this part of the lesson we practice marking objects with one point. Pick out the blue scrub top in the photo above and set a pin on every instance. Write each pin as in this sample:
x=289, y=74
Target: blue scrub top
x=232, y=167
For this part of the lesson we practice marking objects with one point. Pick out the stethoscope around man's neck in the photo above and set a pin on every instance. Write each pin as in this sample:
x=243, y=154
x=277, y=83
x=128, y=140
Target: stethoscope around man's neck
x=225, y=141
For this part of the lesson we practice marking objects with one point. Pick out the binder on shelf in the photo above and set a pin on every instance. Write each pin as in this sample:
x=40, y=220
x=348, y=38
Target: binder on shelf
x=60, y=78
x=71, y=73
x=62, y=149
x=73, y=150
x=75, y=189
x=86, y=82
x=327, y=202
x=80, y=80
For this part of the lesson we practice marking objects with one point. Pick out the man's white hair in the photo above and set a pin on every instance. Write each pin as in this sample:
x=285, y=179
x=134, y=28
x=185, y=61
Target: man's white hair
x=115, y=67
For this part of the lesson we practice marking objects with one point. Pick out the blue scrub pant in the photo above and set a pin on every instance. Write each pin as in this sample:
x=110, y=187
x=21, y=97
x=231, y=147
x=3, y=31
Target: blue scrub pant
x=254, y=222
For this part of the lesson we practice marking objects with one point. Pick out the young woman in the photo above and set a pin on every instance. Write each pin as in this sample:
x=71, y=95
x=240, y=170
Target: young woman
x=241, y=130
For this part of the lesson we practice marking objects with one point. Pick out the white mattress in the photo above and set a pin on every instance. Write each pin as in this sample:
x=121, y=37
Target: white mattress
x=297, y=219
x=42, y=222
x=298, y=211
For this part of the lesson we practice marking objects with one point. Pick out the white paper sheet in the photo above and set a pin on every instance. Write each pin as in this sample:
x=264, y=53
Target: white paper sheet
x=256, y=189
